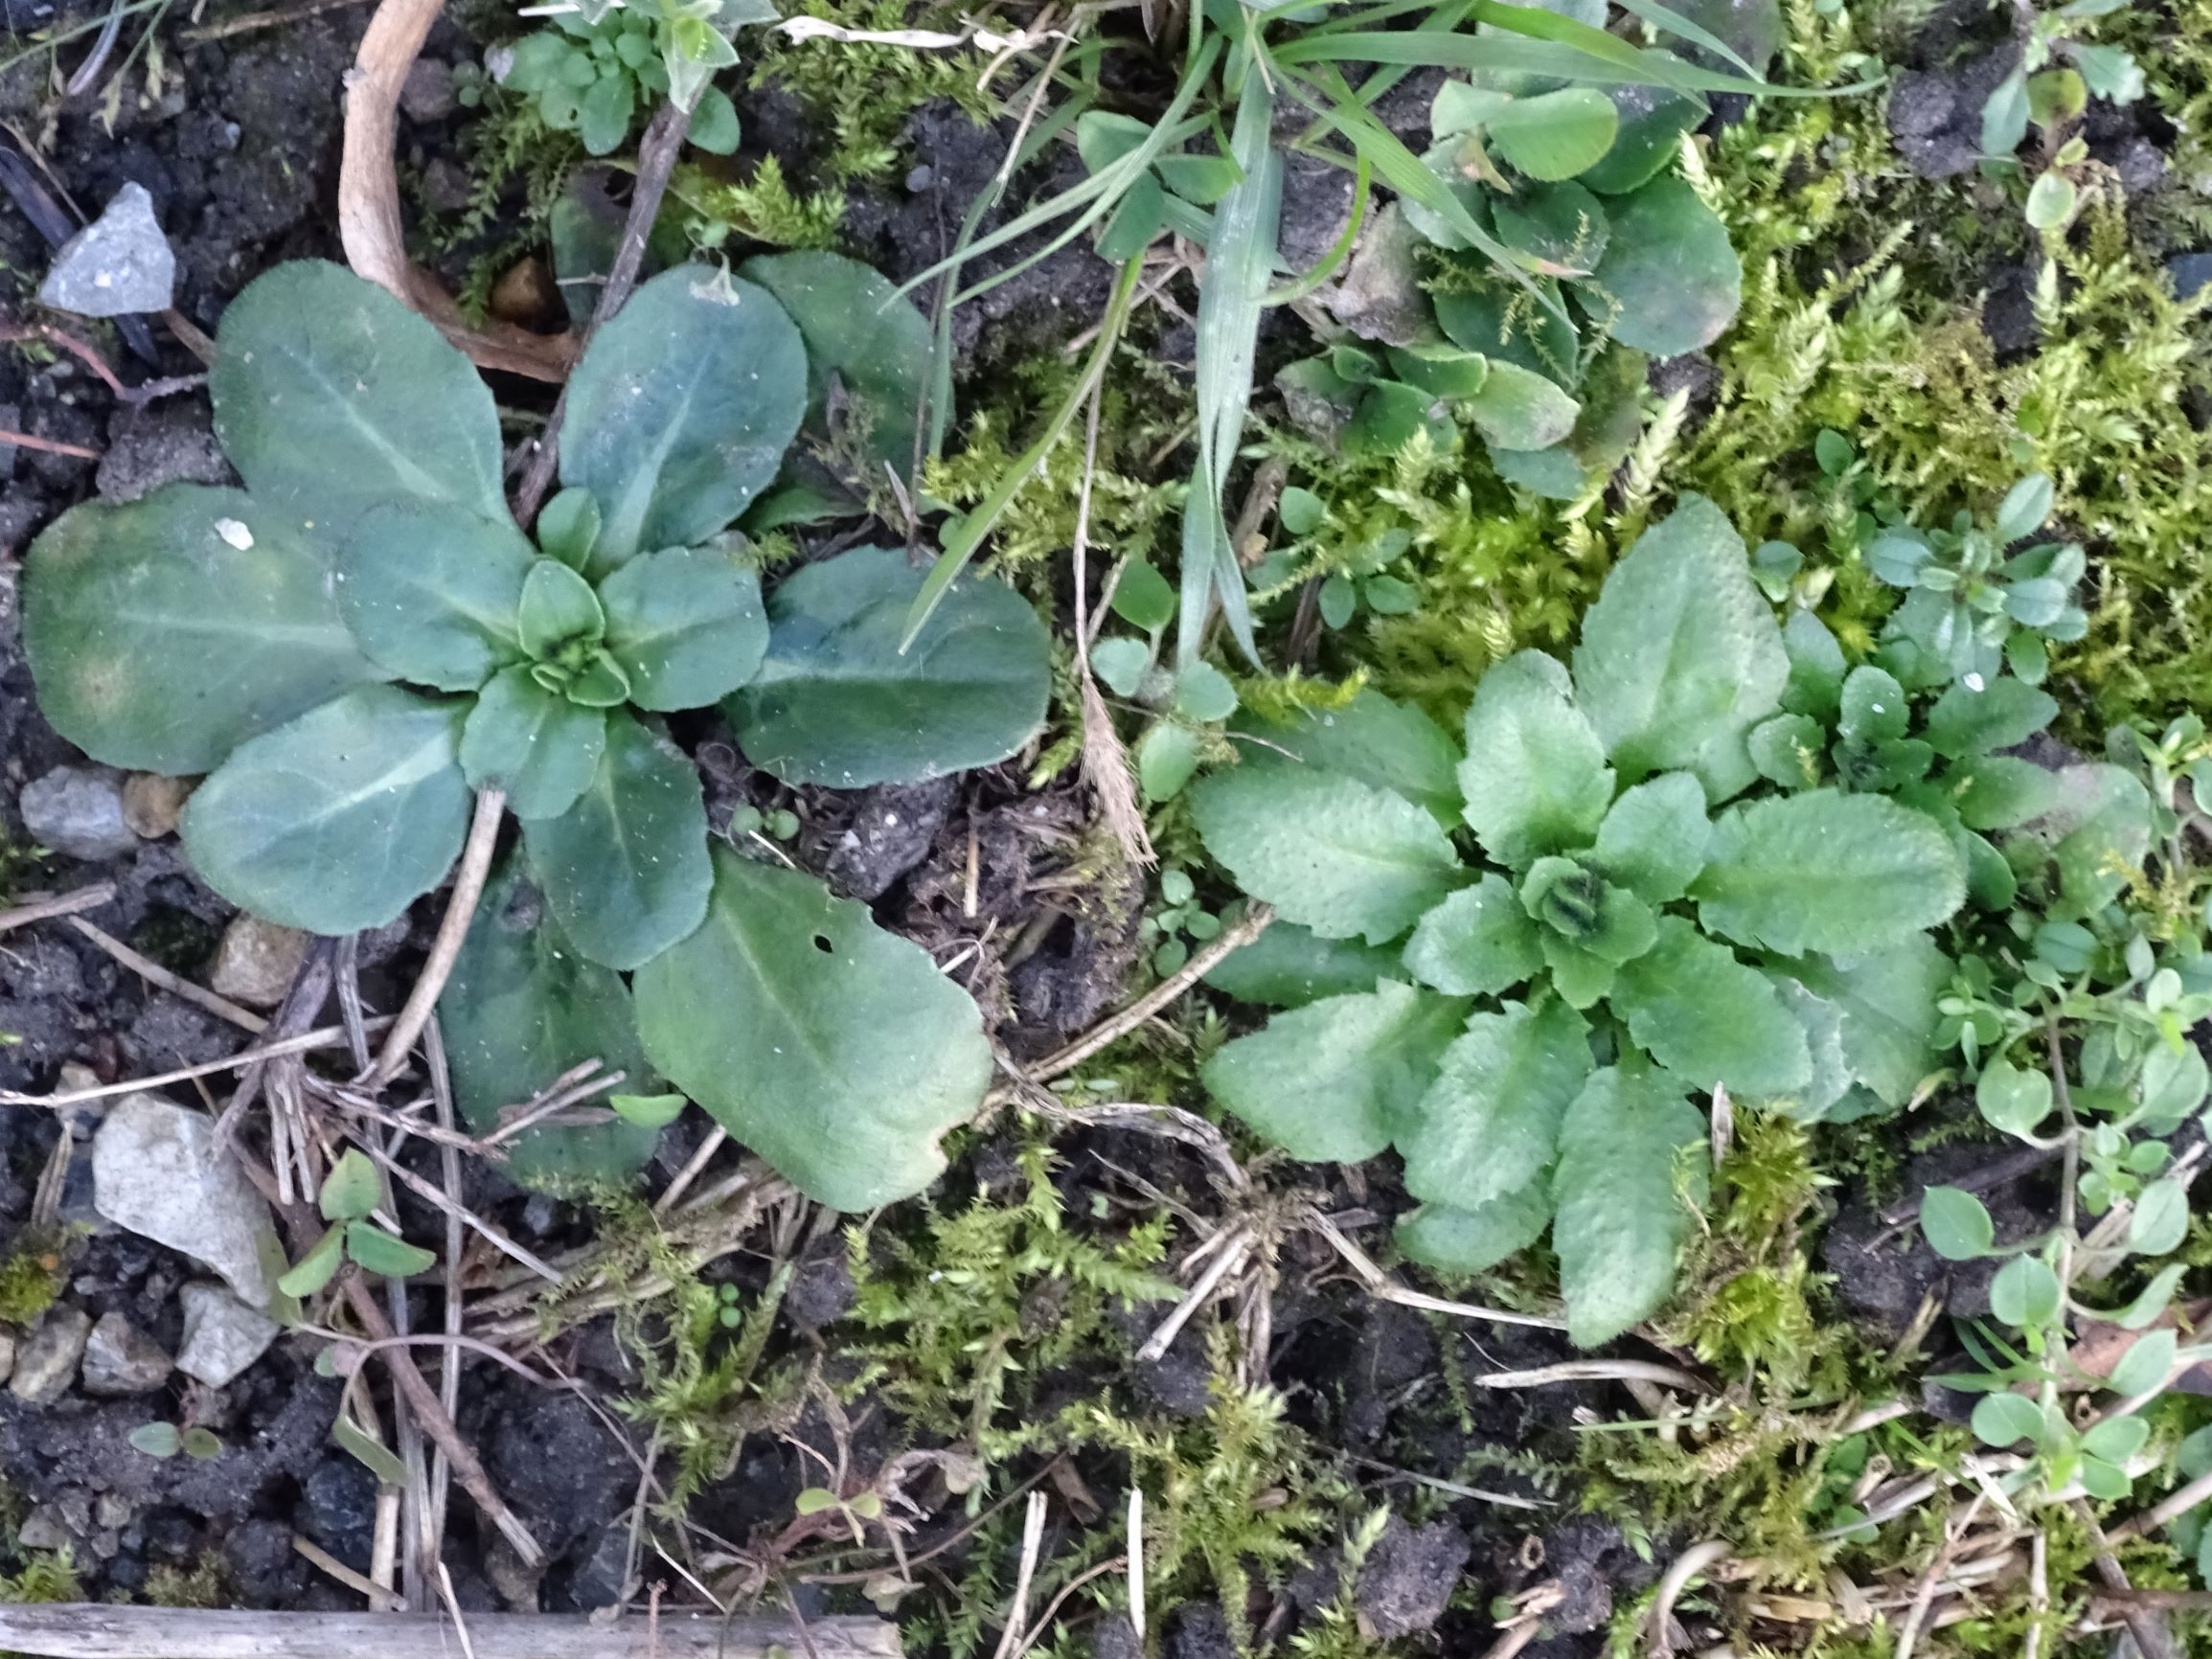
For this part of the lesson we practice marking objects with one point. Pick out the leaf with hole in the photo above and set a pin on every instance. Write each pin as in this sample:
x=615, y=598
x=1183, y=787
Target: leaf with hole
x=834, y=1050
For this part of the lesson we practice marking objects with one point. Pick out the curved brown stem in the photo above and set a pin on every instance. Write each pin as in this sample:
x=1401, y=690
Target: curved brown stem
x=460, y=910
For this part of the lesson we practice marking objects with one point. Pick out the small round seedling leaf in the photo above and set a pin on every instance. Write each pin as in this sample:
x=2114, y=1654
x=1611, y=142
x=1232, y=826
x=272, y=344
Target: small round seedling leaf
x=2145, y=1366
x=681, y=410
x=431, y=593
x=331, y=395
x=1554, y=135
x=351, y=1189
x=2174, y=1081
x=1142, y=596
x=537, y=745
x=1563, y=226
x=1302, y=511
x=340, y=820
x=2051, y=201
x=200, y=1445
x=648, y=1111
x=2003, y=1420
x=317, y=1268
x=684, y=624
x=378, y=1251
x=1670, y=276
x=815, y=1500
x=2024, y=1293
x=2011, y=1098
x=1205, y=693
x=165, y=633
x=158, y=1439
x=1958, y=1228
x=833, y=1049
x=2161, y=1218
x=557, y=606
x=1650, y=137
x=1167, y=757
x=2116, y=1439
x=837, y=702
x=625, y=869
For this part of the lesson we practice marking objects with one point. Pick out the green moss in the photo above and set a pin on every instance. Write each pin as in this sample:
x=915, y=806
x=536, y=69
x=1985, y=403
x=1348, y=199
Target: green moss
x=30, y=1280
x=969, y=1313
x=863, y=90
x=43, y=1576
x=202, y=1584
x=764, y=208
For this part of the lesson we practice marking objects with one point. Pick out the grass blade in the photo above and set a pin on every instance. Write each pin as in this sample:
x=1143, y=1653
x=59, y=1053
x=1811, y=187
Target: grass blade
x=1240, y=262
x=961, y=545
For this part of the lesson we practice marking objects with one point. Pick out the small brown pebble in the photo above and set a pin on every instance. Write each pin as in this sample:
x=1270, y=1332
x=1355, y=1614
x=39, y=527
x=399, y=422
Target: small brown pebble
x=153, y=803
x=526, y=294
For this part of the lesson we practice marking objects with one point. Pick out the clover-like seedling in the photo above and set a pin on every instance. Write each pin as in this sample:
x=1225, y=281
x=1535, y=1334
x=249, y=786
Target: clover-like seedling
x=351, y=1194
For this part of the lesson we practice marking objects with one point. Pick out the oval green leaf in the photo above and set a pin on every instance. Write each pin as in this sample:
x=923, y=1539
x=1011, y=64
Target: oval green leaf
x=833, y=1049
x=541, y=747
x=378, y=1251
x=1555, y=135
x=166, y=632
x=684, y=624
x=625, y=869
x=1631, y=1171
x=865, y=337
x=557, y=607
x=681, y=410
x=329, y=395
x=836, y=702
x=341, y=819
x=1328, y=852
x=1669, y=280
x=431, y=592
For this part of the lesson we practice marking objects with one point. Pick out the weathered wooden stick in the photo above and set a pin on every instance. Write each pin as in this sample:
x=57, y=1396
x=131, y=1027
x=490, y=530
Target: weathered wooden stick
x=91, y=1630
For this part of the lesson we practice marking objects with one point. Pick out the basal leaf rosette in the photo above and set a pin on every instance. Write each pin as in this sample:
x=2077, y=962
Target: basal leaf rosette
x=362, y=639
x=1639, y=937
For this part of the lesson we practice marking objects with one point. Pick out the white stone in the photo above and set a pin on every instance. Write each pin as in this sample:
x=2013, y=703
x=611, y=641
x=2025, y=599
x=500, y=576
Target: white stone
x=221, y=1335
x=118, y=265
x=157, y=1172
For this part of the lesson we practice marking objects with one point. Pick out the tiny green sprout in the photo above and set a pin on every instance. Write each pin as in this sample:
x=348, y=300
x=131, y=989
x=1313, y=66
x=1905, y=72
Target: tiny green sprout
x=165, y=1439
x=867, y=1506
x=351, y=1194
x=780, y=824
x=648, y=1111
x=728, y=1312
x=1179, y=923
x=1184, y=702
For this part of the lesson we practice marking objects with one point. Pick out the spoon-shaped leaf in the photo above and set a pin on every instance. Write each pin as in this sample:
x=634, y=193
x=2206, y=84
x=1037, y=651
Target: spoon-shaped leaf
x=339, y=820
x=523, y=1007
x=837, y=702
x=681, y=410
x=684, y=624
x=431, y=592
x=540, y=746
x=625, y=869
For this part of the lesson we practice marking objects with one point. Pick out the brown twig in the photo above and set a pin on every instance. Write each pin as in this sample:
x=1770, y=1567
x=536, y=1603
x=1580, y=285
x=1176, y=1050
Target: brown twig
x=49, y=445
x=445, y=949
x=2152, y=1637
x=326, y=1038
x=270, y=19
x=97, y=1630
x=1697, y=1558
x=656, y=160
x=60, y=904
x=153, y=973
